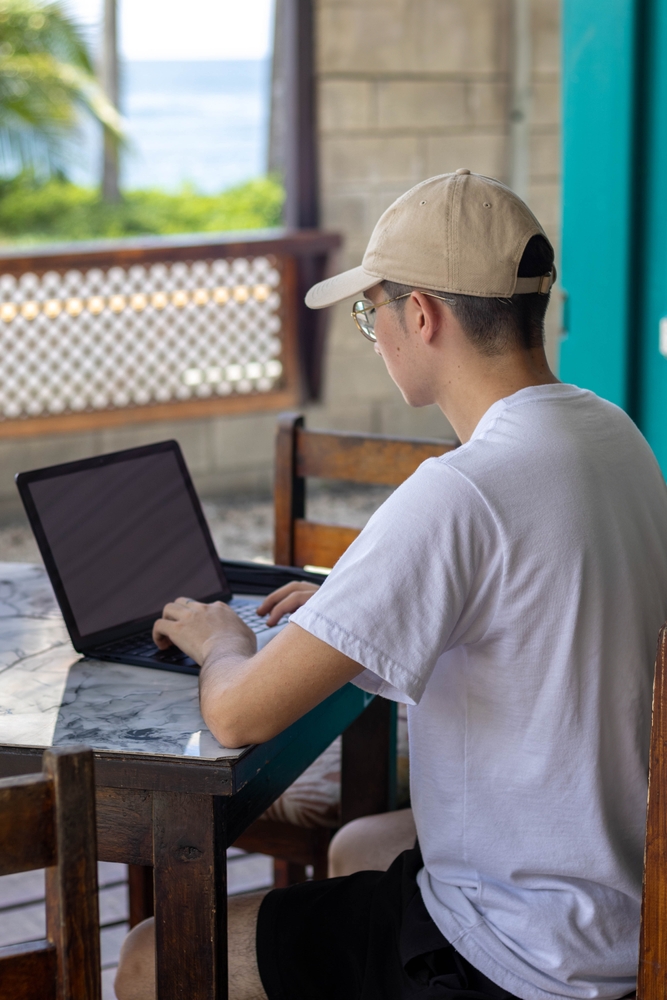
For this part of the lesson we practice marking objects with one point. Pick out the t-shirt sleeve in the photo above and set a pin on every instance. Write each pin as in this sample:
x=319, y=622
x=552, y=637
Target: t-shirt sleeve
x=422, y=576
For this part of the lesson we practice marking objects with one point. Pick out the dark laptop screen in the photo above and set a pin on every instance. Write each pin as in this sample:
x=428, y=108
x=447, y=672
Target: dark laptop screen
x=126, y=539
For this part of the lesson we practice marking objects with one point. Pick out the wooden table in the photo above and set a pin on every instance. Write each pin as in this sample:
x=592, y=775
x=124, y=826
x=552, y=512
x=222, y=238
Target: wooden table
x=168, y=794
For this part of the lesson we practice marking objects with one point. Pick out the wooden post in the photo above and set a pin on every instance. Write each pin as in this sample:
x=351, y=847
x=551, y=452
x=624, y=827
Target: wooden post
x=109, y=81
x=294, y=149
x=289, y=490
x=300, y=153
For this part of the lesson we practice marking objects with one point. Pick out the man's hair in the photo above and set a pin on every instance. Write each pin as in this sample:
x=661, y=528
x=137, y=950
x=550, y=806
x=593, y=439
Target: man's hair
x=495, y=325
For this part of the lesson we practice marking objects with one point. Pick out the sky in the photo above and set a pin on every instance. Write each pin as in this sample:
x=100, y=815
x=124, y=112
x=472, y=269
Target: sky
x=213, y=29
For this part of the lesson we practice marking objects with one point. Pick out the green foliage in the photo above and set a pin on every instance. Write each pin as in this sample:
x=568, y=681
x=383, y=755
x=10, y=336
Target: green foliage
x=57, y=210
x=46, y=79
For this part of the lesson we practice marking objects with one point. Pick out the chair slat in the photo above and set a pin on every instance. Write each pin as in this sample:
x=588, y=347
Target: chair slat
x=26, y=824
x=359, y=458
x=320, y=544
x=652, y=978
x=28, y=971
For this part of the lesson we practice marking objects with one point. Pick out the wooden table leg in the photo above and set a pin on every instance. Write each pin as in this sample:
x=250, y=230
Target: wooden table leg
x=140, y=893
x=190, y=880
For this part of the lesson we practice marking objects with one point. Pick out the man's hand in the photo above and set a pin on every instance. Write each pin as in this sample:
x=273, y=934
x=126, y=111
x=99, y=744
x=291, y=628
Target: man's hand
x=286, y=600
x=198, y=628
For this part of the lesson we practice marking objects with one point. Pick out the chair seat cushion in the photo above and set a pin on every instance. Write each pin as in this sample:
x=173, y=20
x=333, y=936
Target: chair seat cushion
x=313, y=800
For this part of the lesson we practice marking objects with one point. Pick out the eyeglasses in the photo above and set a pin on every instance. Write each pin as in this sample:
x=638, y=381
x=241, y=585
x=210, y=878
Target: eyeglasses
x=363, y=312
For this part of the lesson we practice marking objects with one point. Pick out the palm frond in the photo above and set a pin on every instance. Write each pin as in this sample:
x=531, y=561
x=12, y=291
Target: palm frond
x=46, y=80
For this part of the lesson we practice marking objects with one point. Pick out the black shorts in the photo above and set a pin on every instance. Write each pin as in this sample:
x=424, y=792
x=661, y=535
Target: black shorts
x=366, y=936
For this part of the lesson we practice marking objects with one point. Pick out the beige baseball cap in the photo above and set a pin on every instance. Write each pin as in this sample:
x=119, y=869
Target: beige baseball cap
x=461, y=233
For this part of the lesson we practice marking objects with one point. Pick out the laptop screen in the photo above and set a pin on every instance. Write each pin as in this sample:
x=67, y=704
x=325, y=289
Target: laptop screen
x=126, y=537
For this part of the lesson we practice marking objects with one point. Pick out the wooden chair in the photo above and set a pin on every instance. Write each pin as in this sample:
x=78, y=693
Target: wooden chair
x=47, y=821
x=652, y=975
x=368, y=757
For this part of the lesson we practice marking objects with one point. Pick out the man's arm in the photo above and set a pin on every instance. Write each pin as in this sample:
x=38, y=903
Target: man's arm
x=247, y=696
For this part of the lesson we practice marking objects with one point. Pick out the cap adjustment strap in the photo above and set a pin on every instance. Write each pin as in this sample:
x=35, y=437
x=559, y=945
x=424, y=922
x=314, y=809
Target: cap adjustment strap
x=542, y=285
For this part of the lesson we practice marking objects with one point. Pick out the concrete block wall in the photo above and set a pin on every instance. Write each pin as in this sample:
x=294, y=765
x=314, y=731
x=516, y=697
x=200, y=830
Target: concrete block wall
x=406, y=89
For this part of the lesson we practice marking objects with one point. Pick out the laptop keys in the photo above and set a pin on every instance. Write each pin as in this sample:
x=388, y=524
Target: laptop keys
x=143, y=645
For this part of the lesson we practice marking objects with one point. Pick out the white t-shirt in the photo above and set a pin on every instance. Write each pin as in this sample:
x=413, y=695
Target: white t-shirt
x=511, y=592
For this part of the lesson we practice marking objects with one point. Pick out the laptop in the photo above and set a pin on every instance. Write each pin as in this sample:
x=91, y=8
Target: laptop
x=121, y=535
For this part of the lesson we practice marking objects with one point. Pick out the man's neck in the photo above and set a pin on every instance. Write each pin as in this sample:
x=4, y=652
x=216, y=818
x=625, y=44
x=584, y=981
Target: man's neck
x=465, y=399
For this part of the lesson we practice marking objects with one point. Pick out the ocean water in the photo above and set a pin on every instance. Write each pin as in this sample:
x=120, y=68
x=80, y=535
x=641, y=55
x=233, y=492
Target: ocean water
x=200, y=123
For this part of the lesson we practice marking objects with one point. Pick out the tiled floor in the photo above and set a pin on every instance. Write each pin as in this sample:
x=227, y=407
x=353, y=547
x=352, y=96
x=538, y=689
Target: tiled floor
x=22, y=915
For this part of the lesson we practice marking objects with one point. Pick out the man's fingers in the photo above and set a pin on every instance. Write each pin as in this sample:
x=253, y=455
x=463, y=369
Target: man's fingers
x=161, y=629
x=272, y=599
x=285, y=607
x=296, y=587
x=177, y=609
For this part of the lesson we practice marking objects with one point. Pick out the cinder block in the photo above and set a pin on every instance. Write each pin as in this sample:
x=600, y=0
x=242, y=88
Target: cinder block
x=419, y=105
x=335, y=417
x=371, y=37
x=484, y=154
x=546, y=109
x=346, y=105
x=23, y=454
x=546, y=36
x=370, y=159
x=545, y=156
x=395, y=36
x=460, y=36
x=544, y=200
x=487, y=103
x=238, y=442
x=350, y=214
x=402, y=420
x=363, y=378
x=192, y=435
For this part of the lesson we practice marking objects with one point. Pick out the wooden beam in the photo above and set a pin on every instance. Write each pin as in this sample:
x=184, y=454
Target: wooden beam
x=252, y=402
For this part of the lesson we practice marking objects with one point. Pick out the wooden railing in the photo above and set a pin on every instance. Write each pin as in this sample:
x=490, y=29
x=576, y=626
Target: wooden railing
x=99, y=334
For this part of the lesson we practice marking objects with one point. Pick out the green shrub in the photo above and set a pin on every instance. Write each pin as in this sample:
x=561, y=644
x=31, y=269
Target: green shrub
x=56, y=210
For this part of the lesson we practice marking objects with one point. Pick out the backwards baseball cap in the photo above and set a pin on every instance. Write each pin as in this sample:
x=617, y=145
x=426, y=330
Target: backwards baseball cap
x=461, y=233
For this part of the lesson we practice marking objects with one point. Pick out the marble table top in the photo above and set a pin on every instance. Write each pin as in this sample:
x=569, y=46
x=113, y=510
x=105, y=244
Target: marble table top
x=50, y=696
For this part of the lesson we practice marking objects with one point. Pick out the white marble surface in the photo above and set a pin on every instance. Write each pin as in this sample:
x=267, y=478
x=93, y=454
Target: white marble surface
x=49, y=696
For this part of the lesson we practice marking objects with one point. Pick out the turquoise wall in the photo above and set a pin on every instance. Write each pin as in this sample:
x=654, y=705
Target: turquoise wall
x=615, y=206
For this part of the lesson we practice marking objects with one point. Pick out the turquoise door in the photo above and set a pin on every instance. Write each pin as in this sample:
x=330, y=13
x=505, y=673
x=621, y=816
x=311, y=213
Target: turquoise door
x=615, y=206
x=648, y=326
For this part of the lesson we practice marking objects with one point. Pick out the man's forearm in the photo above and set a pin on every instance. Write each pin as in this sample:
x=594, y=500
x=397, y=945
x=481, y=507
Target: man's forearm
x=251, y=698
x=221, y=697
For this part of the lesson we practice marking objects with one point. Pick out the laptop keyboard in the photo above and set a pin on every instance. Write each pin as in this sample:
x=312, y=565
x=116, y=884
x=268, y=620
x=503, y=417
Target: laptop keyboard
x=142, y=643
x=246, y=610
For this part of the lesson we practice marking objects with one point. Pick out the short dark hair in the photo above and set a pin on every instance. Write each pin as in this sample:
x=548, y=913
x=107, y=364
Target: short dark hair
x=495, y=325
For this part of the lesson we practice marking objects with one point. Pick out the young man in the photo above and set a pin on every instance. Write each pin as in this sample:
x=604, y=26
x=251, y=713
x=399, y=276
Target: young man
x=511, y=593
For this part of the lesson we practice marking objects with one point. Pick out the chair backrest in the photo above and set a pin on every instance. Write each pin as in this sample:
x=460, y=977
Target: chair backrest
x=47, y=821
x=359, y=458
x=652, y=976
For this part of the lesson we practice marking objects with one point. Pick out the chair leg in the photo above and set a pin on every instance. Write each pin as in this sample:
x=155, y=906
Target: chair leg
x=140, y=891
x=287, y=873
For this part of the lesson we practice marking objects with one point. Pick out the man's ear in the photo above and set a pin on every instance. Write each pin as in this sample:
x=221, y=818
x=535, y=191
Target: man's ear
x=428, y=316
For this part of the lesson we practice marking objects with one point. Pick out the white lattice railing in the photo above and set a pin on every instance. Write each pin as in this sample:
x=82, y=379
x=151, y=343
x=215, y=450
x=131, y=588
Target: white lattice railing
x=150, y=330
